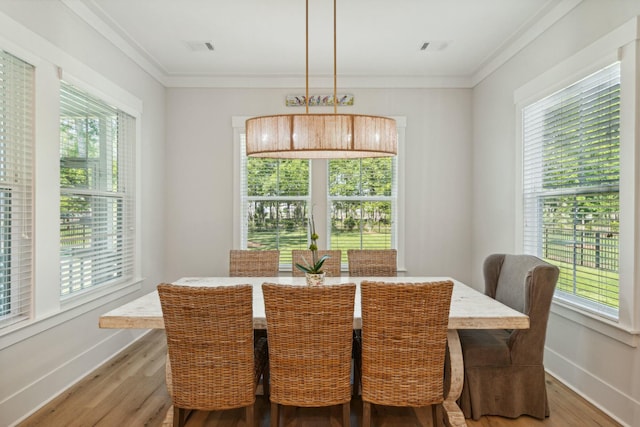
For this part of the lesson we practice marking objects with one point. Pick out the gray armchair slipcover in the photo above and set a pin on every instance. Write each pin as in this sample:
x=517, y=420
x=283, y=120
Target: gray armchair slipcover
x=504, y=374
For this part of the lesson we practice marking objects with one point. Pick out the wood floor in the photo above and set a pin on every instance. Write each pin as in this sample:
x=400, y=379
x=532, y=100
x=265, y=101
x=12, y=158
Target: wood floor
x=129, y=390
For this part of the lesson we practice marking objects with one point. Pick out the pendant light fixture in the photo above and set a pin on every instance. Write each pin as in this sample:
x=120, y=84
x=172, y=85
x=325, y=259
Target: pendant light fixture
x=307, y=136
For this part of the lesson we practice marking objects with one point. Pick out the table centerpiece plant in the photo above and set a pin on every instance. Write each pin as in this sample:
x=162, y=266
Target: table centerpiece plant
x=313, y=271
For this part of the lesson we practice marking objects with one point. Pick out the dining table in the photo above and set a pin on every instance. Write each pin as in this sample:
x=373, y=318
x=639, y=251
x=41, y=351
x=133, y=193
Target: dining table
x=470, y=309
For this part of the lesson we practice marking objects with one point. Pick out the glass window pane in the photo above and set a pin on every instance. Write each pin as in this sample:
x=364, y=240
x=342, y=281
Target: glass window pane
x=376, y=177
x=362, y=195
x=344, y=177
x=17, y=89
x=360, y=225
x=277, y=225
x=273, y=177
x=571, y=174
x=97, y=146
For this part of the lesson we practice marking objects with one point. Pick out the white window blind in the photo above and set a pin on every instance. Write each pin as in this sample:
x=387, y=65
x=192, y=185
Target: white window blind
x=16, y=191
x=275, y=199
x=362, y=195
x=570, y=188
x=97, y=206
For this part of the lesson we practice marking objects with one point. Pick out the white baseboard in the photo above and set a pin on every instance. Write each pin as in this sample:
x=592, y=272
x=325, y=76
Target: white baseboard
x=613, y=402
x=23, y=403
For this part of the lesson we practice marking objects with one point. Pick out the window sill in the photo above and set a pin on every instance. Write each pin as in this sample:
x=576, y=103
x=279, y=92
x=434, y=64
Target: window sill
x=99, y=293
x=596, y=323
x=69, y=309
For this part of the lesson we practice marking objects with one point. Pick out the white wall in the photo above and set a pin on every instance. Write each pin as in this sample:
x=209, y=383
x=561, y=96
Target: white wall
x=60, y=346
x=199, y=173
x=603, y=369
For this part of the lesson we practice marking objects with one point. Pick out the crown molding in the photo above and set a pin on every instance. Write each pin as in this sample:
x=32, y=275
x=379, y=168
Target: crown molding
x=319, y=82
x=520, y=41
x=123, y=44
x=490, y=65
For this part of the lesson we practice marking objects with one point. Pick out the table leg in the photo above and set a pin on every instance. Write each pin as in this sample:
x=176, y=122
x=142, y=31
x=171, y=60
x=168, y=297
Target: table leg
x=168, y=419
x=453, y=414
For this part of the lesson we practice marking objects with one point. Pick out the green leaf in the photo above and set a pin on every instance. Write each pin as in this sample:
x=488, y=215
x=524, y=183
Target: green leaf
x=313, y=269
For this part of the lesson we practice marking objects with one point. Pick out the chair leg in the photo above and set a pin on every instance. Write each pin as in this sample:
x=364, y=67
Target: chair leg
x=265, y=382
x=346, y=414
x=356, y=378
x=178, y=416
x=357, y=365
x=275, y=417
x=366, y=414
x=249, y=419
x=436, y=415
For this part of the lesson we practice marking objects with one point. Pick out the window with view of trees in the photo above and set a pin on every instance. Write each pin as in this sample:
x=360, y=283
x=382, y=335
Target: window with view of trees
x=362, y=198
x=16, y=188
x=96, y=192
x=571, y=171
x=276, y=200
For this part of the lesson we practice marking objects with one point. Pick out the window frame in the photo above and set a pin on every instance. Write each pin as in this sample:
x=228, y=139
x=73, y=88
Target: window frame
x=99, y=87
x=20, y=190
x=535, y=193
x=392, y=199
x=319, y=193
x=620, y=45
x=305, y=199
x=102, y=194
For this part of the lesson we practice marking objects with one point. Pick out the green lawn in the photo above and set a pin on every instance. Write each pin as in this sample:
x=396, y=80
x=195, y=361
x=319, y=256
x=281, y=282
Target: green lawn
x=588, y=284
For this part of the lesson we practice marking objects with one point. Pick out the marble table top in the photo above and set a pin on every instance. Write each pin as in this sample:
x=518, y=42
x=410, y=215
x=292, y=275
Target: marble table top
x=470, y=309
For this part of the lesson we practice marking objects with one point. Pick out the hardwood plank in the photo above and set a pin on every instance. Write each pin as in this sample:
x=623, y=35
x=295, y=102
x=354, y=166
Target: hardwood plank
x=129, y=390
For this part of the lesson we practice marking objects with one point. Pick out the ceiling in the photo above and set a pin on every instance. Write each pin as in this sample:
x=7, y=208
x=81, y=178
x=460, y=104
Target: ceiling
x=378, y=41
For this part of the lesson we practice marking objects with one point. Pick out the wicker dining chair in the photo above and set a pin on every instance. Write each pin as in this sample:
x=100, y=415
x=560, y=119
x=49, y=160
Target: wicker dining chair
x=246, y=263
x=310, y=339
x=331, y=266
x=372, y=262
x=404, y=339
x=204, y=326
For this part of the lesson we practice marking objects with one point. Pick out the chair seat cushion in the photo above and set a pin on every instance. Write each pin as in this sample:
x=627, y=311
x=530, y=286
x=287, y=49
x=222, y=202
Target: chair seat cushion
x=482, y=347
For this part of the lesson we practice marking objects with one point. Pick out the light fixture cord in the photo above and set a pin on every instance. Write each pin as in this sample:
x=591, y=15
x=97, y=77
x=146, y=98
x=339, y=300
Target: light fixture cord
x=335, y=66
x=306, y=48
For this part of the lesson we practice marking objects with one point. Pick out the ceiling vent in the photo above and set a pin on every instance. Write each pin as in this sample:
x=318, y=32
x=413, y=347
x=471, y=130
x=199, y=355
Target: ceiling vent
x=200, y=46
x=434, y=46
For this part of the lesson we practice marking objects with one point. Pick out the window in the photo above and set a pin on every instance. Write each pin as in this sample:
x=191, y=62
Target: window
x=571, y=173
x=362, y=195
x=16, y=191
x=276, y=196
x=97, y=218
x=354, y=202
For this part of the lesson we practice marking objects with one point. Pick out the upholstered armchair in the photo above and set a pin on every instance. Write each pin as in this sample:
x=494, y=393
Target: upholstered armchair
x=504, y=371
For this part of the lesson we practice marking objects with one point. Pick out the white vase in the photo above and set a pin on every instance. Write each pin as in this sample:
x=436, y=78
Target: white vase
x=314, y=279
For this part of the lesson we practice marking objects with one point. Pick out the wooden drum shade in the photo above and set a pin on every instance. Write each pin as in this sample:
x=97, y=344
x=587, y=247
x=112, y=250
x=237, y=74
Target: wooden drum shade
x=309, y=136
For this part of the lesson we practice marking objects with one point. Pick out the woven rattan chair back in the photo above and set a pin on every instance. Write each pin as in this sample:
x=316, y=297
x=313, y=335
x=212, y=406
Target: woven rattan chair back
x=245, y=263
x=404, y=338
x=373, y=262
x=310, y=337
x=203, y=327
x=331, y=266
